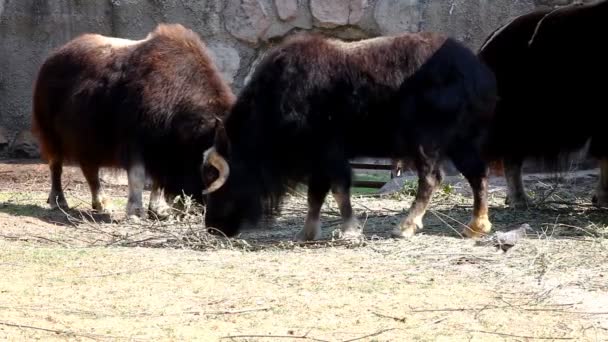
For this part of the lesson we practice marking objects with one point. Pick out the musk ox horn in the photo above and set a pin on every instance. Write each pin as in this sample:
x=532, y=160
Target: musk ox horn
x=214, y=159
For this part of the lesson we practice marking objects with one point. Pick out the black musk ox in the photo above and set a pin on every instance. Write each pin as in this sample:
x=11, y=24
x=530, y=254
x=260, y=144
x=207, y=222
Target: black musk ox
x=550, y=68
x=146, y=106
x=314, y=103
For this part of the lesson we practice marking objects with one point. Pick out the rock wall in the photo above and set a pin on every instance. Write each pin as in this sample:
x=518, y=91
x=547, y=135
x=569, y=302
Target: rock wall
x=237, y=31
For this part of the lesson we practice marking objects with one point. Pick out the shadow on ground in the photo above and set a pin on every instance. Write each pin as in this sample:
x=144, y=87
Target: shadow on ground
x=52, y=216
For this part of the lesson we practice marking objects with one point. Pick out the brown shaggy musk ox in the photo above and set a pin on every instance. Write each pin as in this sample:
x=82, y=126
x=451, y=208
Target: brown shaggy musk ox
x=146, y=106
x=550, y=68
x=313, y=104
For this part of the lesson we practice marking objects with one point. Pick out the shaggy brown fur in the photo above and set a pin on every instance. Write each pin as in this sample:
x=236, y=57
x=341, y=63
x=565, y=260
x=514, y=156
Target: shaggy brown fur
x=109, y=102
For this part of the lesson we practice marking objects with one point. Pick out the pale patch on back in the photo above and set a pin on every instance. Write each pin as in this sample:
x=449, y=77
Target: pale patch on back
x=359, y=44
x=115, y=42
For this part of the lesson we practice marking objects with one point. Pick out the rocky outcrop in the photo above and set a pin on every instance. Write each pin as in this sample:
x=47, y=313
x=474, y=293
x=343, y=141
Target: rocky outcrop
x=286, y=9
x=247, y=20
x=334, y=13
x=237, y=32
x=227, y=60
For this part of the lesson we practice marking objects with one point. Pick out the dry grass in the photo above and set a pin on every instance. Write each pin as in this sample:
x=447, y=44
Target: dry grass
x=83, y=276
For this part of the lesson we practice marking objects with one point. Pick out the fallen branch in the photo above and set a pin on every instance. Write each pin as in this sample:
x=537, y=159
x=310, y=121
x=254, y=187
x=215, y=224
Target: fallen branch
x=301, y=337
x=229, y=312
x=398, y=319
x=521, y=336
x=58, y=332
x=379, y=332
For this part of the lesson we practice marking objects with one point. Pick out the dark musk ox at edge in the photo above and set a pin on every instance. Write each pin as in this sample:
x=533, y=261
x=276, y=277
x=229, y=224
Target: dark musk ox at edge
x=146, y=106
x=551, y=69
x=313, y=104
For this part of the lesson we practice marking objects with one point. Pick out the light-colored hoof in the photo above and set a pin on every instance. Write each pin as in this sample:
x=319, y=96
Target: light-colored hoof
x=404, y=231
x=160, y=212
x=57, y=200
x=135, y=213
x=351, y=229
x=103, y=206
x=477, y=227
x=518, y=202
x=310, y=232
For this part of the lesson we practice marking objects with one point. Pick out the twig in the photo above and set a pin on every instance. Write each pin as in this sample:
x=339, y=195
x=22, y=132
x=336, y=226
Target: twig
x=398, y=319
x=229, y=312
x=521, y=336
x=300, y=337
x=61, y=332
x=379, y=332
x=58, y=332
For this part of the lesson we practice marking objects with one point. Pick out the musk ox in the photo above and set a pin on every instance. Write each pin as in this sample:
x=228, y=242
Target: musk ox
x=146, y=106
x=549, y=68
x=313, y=104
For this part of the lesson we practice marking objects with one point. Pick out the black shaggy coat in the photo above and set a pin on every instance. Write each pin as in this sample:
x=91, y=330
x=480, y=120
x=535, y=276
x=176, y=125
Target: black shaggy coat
x=551, y=70
x=315, y=103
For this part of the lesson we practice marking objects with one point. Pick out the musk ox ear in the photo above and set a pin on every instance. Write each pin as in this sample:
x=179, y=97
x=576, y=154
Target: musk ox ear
x=221, y=142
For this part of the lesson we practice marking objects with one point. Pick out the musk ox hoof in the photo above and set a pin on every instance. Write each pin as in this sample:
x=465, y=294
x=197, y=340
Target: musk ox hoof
x=102, y=205
x=310, y=232
x=160, y=213
x=477, y=227
x=351, y=229
x=518, y=202
x=135, y=213
x=57, y=201
x=404, y=231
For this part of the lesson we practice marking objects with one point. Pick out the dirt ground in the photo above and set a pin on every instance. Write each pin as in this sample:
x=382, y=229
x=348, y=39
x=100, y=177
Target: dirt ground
x=79, y=275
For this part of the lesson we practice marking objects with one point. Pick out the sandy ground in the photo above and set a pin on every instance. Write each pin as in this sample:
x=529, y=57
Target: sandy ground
x=79, y=275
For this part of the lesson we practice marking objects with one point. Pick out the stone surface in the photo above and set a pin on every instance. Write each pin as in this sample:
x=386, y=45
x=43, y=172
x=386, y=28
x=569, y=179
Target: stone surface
x=287, y=9
x=301, y=20
x=333, y=13
x=470, y=21
x=227, y=60
x=398, y=16
x=247, y=20
x=25, y=145
x=238, y=31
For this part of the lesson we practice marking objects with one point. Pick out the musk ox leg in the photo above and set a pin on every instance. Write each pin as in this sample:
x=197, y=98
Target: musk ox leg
x=600, y=198
x=137, y=179
x=56, y=197
x=472, y=167
x=318, y=187
x=351, y=227
x=99, y=201
x=158, y=206
x=516, y=195
x=429, y=177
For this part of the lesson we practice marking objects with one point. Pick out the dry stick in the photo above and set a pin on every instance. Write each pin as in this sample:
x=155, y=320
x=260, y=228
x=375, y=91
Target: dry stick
x=301, y=337
x=58, y=332
x=521, y=336
x=398, y=319
x=228, y=312
x=447, y=224
x=379, y=332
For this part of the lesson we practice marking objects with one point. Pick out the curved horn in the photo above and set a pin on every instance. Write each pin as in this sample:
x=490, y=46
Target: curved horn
x=214, y=159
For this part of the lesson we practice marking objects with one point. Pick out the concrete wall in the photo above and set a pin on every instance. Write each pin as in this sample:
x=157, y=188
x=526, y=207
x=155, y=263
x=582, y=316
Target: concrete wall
x=237, y=31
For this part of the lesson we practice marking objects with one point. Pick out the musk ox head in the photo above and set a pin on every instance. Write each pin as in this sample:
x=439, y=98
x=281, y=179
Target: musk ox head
x=232, y=199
